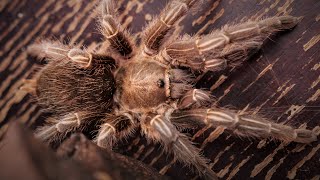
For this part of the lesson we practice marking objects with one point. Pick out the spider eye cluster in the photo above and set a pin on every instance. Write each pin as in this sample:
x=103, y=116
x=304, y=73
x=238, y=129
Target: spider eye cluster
x=160, y=83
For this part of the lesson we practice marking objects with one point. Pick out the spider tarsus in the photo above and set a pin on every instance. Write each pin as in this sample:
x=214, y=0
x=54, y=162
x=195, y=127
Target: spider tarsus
x=305, y=136
x=108, y=7
x=288, y=22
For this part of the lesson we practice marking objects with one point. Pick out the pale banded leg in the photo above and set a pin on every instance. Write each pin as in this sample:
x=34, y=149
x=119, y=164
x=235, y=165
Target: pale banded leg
x=57, y=51
x=160, y=27
x=86, y=60
x=213, y=52
x=120, y=40
x=243, y=125
x=49, y=50
x=195, y=98
x=160, y=129
x=114, y=129
x=57, y=128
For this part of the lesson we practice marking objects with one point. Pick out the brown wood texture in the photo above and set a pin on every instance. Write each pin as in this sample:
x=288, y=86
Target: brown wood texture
x=76, y=158
x=281, y=81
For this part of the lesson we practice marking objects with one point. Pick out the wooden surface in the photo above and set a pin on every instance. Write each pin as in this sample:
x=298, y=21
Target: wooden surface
x=76, y=158
x=280, y=82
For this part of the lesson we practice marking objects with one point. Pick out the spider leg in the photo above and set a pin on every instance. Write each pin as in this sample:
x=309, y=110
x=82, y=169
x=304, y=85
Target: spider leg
x=56, y=51
x=195, y=98
x=114, y=128
x=161, y=27
x=57, y=128
x=243, y=125
x=226, y=47
x=159, y=129
x=46, y=49
x=86, y=60
x=119, y=39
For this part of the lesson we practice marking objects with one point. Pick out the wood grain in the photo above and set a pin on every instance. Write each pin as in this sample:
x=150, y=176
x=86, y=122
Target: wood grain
x=76, y=158
x=281, y=81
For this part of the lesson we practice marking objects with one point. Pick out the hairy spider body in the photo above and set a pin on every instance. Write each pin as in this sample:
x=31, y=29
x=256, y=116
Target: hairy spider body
x=56, y=88
x=151, y=84
x=135, y=79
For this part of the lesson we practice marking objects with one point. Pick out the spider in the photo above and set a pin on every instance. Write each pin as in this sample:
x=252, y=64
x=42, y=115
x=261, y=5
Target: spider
x=150, y=84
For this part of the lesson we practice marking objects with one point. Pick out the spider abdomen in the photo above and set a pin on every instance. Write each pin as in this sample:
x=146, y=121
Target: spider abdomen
x=62, y=87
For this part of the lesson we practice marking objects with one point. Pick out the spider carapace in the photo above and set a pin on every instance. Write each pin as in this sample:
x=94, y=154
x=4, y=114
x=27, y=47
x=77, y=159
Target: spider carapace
x=151, y=85
x=142, y=85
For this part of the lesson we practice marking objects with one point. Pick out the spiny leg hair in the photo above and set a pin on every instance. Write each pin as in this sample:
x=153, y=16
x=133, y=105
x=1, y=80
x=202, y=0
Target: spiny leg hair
x=226, y=47
x=56, y=51
x=159, y=30
x=192, y=112
x=159, y=129
x=243, y=125
x=119, y=39
x=57, y=127
x=115, y=128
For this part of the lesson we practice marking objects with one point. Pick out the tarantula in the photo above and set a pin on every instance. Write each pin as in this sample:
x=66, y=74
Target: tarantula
x=151, y=84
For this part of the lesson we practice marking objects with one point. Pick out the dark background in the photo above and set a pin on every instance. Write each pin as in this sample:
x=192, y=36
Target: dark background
x=281, y=81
